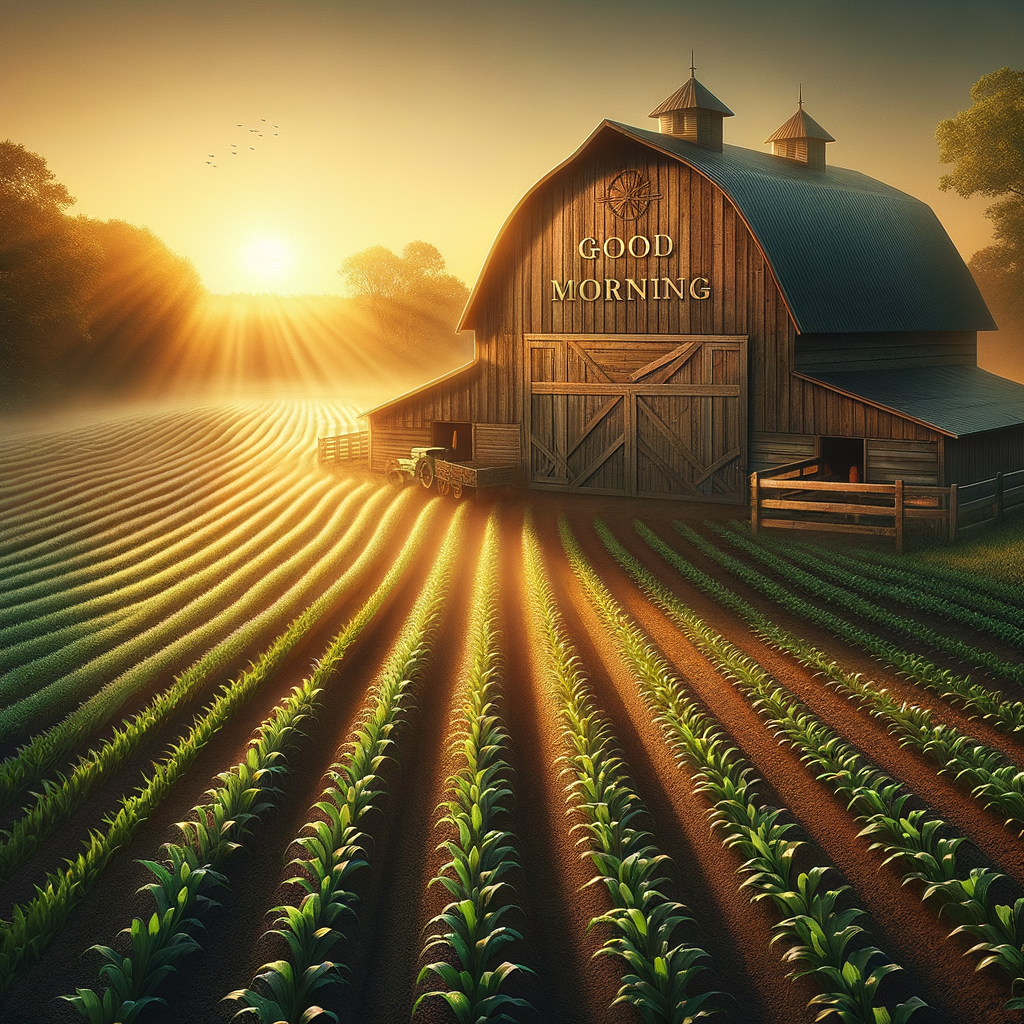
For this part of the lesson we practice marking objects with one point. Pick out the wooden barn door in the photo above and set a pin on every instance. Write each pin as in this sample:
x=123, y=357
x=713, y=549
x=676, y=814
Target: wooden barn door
x=638, y=415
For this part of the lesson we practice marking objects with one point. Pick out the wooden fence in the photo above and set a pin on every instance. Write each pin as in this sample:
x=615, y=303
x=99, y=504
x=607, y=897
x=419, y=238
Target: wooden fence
x=790, y=498
x=985, y=500
x=353, y=448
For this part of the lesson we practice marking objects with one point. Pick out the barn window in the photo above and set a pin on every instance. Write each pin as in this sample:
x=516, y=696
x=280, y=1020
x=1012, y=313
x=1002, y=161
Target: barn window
x=456, y=438
x=840, y=457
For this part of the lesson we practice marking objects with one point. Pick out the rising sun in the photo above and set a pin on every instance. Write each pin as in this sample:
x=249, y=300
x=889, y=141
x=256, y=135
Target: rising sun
x=268, y=258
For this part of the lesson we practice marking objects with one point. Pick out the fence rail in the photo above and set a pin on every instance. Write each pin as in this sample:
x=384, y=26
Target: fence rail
x=992, y=498
x=345, y=448
x=790, y=497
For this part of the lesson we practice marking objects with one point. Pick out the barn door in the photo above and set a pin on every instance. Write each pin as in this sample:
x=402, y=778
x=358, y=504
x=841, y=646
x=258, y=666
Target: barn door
x=638, y=415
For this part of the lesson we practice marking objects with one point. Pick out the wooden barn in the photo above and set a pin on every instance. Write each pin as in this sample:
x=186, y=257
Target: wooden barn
x=662, y=314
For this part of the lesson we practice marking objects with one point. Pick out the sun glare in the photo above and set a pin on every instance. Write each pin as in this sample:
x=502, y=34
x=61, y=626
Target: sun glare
x=268, y=258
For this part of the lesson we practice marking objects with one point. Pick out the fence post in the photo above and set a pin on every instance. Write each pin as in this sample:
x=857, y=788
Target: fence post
x=755, y=503
x=954, y=512
x=999, y=495
x=898, y=491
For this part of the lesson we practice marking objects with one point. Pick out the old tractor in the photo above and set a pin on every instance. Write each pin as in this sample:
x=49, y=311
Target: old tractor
x=421, y=466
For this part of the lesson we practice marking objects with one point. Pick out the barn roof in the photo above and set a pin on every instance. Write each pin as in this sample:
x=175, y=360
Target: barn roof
x=850, y=253
x=983, y=401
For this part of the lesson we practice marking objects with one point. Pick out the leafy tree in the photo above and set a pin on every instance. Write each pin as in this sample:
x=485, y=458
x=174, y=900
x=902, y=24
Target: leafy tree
x=986, y=145
x=47, y=267
x=410, y=296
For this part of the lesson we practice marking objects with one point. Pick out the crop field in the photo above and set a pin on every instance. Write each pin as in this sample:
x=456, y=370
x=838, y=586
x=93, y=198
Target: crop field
x=289, y=744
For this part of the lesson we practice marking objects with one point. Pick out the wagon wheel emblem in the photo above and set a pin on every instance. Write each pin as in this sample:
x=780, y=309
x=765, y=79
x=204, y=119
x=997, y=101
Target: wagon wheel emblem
x=629, y=195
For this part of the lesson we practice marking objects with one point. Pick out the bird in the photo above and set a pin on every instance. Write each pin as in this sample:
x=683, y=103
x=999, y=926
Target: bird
x=252, y=147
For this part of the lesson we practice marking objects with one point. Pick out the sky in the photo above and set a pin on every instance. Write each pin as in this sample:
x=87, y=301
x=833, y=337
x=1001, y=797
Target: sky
x=419, y=119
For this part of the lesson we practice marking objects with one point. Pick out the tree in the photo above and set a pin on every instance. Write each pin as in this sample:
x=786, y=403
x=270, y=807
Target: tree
x=986, y=145
x=411, y=297
x=144, y=302
x=47, y=267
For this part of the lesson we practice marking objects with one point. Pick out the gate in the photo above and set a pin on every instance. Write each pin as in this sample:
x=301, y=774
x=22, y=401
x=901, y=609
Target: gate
x=639, y=415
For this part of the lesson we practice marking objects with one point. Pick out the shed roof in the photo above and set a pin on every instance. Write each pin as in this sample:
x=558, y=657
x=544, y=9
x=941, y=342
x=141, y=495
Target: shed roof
x=850, y=253
x=955, y=400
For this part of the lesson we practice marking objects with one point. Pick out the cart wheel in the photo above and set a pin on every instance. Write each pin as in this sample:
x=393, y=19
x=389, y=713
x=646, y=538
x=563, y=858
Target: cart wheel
x=457, y=489
x=393, y=474
x=425, y=472
x=442, y=486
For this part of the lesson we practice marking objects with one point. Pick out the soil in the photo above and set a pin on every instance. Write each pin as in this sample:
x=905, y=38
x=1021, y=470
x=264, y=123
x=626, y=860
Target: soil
x=552, y=903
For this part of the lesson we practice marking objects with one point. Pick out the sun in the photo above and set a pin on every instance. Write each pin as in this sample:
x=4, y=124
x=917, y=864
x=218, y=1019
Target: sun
x=268, y=258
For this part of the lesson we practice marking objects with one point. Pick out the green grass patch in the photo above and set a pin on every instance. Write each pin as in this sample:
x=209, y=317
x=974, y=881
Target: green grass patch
x=995, y=550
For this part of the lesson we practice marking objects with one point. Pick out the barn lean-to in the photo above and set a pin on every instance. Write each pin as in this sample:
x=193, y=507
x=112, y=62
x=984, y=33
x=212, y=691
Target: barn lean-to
x=662, y=314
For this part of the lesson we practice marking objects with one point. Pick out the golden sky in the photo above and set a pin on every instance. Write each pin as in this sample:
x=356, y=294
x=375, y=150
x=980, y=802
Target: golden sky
x=419, y=119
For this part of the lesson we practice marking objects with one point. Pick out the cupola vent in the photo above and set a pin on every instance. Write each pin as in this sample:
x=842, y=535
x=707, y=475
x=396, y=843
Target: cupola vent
x=694, y=114
x=801, y=139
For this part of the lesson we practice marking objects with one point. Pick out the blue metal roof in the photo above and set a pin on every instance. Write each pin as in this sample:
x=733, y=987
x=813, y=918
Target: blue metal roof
x=955, y=400
x=849, y=253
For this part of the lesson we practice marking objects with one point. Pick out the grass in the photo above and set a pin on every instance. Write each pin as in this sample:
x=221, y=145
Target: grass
x=995, y=550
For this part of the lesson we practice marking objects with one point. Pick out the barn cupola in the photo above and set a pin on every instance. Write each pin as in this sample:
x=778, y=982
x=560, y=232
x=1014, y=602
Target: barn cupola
x=694, y=114
x=801, y=139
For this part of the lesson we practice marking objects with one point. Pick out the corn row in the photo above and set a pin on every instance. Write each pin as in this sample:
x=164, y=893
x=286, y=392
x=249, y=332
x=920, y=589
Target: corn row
x=660, y=972
x=972, y=582
x=35, y=924
x=843, y=598
x=907, y=592
x=879, y=802
x=908, y=579
x=33, y=759
x=468, y=929
x=60, y=799
x=983, y=772
x=817, y=933
x=215, y=830
x=1003, y=714
x=333, y=851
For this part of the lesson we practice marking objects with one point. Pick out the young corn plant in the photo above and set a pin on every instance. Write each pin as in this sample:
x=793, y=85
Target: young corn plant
x=879, y=803
x=660, y=970
x=469, y=928
x=33, y=925
x=1003, y=714
x=333, y=844
x=822, y=941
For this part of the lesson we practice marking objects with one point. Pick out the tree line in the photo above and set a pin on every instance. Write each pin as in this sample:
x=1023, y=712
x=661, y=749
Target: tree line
x=104, y=308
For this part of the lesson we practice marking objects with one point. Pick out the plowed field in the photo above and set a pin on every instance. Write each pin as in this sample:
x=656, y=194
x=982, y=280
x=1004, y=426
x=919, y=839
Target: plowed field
x=758, y=783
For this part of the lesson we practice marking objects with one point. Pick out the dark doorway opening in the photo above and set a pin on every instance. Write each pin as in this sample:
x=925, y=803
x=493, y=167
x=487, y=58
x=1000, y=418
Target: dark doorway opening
x=456, y=439
x=842, y=458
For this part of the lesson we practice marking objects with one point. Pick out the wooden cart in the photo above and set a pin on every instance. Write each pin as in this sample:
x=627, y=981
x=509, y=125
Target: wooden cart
x=453, y=477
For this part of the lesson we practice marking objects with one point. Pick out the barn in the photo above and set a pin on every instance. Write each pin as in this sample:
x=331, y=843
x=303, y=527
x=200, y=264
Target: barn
x=663, y=314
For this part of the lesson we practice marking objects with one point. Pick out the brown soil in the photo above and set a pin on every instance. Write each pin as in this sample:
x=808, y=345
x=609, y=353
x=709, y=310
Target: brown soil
x=554, y=904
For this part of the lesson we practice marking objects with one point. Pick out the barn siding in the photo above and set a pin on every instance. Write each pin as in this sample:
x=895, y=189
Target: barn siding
x=981, y=456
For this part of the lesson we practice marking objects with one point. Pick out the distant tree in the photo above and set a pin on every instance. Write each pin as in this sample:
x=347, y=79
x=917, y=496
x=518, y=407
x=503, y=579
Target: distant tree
x=144, y=300
x=986, y=145
x=47, y=267
x=410, y=296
